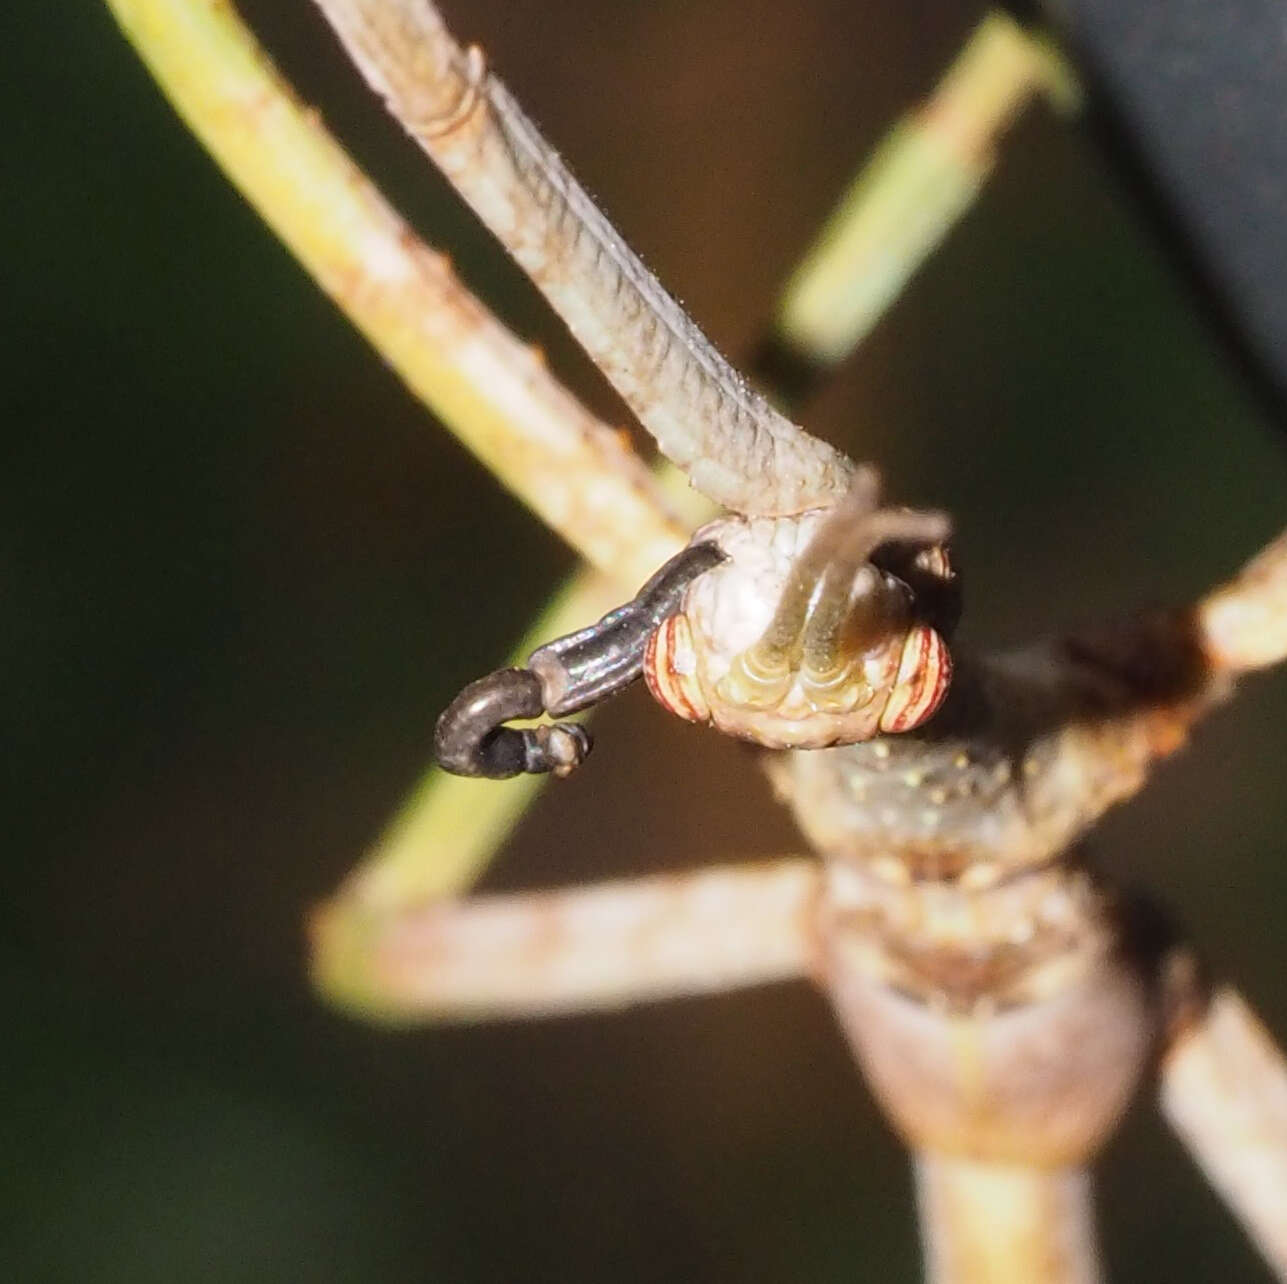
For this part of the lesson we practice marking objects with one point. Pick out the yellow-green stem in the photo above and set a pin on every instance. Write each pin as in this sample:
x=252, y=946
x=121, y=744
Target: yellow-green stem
x=441, y=840
x=493, y=392
x=919, y=183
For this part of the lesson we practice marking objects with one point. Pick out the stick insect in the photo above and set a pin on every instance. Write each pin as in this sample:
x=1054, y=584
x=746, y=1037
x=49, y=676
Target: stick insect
x=1003, y=1002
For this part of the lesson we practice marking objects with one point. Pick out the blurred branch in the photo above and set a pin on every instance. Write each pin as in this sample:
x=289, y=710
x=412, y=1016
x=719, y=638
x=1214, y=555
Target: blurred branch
x=491, y=391
x=921, y=180
x=441, y=840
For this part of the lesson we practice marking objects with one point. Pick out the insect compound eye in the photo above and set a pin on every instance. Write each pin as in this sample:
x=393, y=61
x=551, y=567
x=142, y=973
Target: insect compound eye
x=924, y=674
x=670, y=670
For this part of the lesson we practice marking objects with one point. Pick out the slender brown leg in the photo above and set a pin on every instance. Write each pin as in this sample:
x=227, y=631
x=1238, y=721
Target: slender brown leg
x=577, y=949
x=1243, y=623
x=1224, y=1091
x=563, y=676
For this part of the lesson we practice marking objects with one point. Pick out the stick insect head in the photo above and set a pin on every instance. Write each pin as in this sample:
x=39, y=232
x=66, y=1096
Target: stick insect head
x=810, y=634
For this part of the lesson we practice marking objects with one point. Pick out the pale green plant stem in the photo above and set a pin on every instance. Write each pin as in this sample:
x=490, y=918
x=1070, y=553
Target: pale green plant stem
x=443, y=837
x=919, y=183
x=491, y=391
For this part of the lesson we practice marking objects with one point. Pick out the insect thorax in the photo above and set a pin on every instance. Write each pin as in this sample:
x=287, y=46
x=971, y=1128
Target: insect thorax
x=967, y=951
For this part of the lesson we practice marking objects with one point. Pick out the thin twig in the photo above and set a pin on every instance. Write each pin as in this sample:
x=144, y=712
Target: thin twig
x=490, y=390
x=921, y=180
x=448, y=826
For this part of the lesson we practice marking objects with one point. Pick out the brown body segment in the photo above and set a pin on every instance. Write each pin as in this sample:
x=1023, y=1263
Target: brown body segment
x=1001, y=1001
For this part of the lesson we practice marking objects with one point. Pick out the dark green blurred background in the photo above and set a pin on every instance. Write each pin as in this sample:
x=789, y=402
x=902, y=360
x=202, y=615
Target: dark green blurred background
x=241, y=571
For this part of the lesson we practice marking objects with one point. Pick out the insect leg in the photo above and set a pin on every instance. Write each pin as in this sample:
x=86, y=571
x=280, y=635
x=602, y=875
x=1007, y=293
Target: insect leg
x=1015, y=1223
x=1224, y=1091
x=570, y=673
x=577, y=949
